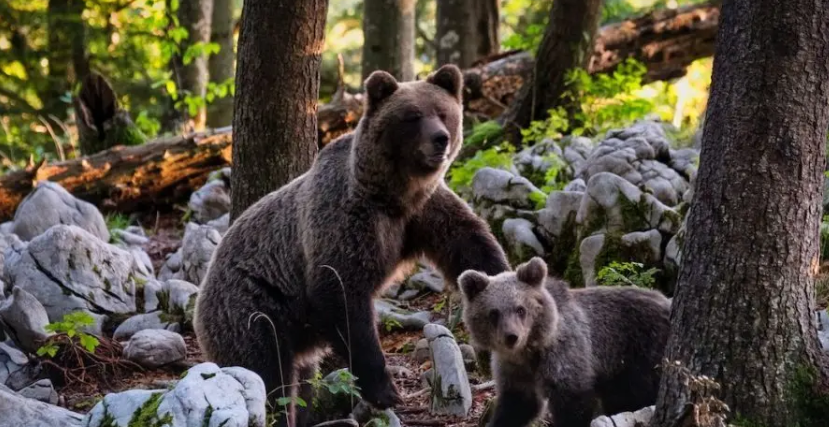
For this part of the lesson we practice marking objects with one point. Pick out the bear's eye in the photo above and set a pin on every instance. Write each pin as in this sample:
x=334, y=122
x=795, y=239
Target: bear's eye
x=494, y=315
x=442, y=116
x=412, y=116
x=521, y=312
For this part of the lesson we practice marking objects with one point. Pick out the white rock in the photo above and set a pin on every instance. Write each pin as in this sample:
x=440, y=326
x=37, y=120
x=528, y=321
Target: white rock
x=155, y=347
x=17, y=410
x=24, y=319
x=500, y=186
x=50, y=204
x=625, y=419
x=451, y=393
x=144, y=321
x=41, y=390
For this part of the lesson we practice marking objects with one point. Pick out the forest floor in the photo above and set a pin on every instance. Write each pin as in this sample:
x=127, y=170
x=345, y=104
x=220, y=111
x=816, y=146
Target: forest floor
x=165, y=233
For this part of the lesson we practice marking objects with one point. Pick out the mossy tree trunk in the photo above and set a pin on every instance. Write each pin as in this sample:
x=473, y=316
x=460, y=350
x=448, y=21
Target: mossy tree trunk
x=567, y=44
x=466, y=31
x=221, y=64
x=743, y=312
x=68, y=60
x=277, y=87
x=388, y=38
x=196, y=16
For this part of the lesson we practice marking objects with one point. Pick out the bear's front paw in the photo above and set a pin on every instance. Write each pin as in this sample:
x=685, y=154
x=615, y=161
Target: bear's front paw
x=382, y=394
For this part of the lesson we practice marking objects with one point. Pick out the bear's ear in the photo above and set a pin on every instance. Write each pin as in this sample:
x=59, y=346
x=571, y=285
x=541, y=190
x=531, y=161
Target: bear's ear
x=448, y=77
x=379, y=86
x=532, y=272
x=472, y=283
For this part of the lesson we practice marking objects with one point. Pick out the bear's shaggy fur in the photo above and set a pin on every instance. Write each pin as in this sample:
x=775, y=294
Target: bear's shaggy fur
x=572, y=348
x=295, y=274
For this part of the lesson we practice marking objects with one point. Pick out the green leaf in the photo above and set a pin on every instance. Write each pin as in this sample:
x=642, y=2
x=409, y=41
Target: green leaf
x=89, y=342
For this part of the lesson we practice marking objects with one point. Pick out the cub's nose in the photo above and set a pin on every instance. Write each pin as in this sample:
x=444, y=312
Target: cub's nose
x=440, y=140
x=510, y=340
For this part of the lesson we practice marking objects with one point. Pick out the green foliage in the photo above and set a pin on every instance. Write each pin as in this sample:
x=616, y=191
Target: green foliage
x=553, y=127
x=824, y=237
x=70, y=326
x=499, y=157
x=117, y=221
x=484, y=133
x=343, y=383
x=626, y=273
x=391, y=323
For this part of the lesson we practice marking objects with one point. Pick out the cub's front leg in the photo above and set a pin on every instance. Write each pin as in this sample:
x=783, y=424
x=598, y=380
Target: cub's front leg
x=518, y=402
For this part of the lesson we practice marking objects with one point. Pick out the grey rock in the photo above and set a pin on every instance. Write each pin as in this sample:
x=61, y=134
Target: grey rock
x=408, y=294
x=140, y=322
x=576, y=150
x=6, y=242
x=18, y=410
x=641, y=417
x=134, y=244
x=68, y=269
x=451, y=393
x=221, y=224
x=119, y=409
x=649, y=130
x=41, y=390
x=684, y=161
x=614, y=205
x=502, y=187
x=388, y=312
x=7, y=228
x=577, y=184
x=470, y=358
x=521, y=241
x=25, y=320
x=180, y=294
x=197, y=250
x=50, y=204
x=16, y=371
x=559, y=216
x=392, y=291
x=426, y=278
x=426, y=378
x=534, y=162
x=151, y=289
x=647, y=243
x=152, y=348
x=210, y=202
x=823, y=329
x=399, y=371
x=421, y=351
x=130, y=237
x=641, y=246
x=172, y=267
x=589, y=250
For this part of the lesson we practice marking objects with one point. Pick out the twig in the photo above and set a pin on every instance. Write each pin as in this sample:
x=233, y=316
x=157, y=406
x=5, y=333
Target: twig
x=418, y=393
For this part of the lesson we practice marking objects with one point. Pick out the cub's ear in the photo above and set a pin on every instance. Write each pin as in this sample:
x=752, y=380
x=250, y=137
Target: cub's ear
x=449, y=78
x=472, y=283
x=379, y=86
x=532, y=272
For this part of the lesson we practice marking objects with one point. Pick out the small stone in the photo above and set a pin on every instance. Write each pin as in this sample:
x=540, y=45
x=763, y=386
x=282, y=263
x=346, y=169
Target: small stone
x=641, y=417
x=577, y=185
x=503, y=187
x=408, y=294
x=141, y=322
x=153, y=348
x=24, y=319
x=470, y=358
x=41, y=390
x=521, y=242
x=427, y=278
x=210, y=202
x=221, y=224
x=451, y=393
x=421, y=351
x=399, y=371
x=395, y=317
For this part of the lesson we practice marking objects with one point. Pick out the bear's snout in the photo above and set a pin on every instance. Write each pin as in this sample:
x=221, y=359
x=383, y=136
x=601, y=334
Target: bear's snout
x=510, y=340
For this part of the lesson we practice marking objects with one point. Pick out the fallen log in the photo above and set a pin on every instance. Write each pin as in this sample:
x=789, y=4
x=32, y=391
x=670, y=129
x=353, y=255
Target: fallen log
x=126, y=179
x=666, y=41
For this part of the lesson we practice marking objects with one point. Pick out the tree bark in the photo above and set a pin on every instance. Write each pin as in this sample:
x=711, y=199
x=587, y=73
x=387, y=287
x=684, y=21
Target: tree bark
x=68, y=60
x=221, y=64
x=466, y=31
x=388, y=38
x=277, y=87
x=743, y=312
x=196, y=17
x=566, y=45
x=126, y=179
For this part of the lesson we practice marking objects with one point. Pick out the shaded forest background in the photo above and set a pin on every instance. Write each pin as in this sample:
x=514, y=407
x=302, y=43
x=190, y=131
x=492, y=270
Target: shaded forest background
x=171, y=65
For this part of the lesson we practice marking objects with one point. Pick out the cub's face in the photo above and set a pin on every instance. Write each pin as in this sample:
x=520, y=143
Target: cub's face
x=416, y=125
x=502, y=311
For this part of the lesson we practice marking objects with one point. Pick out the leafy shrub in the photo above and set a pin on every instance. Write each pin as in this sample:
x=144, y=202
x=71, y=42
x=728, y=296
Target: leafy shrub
x=499, y=157
x=627, y=274
x=70, y=326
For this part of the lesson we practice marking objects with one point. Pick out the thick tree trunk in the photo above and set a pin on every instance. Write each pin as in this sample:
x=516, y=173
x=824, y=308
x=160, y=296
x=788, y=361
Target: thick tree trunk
x=196, y=17
x=466, y=31
x=221, y=64
x=277, y=86
x=68, y=61
x=743, y=313
x=388, y=38
x=125, y=179
x=566, y=45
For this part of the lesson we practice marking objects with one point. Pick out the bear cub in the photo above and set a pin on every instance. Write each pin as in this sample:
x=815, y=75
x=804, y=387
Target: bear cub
x=294, y=276
x=573, y=348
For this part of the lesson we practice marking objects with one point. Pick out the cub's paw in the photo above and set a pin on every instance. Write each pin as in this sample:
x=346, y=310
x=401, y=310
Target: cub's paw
x=382, y=394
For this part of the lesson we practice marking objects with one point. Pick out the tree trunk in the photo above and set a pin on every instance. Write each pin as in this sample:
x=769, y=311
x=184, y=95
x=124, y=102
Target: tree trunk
x=567, y=44
x=221, y=64
x=466, y=31
x=277, y=87
x=388, y=38
x=743, y=312
x=68, y=61
x=195, y=16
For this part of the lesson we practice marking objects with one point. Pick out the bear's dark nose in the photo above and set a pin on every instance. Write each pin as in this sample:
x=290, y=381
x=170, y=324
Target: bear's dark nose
x=511, y=340
x=440, y=140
